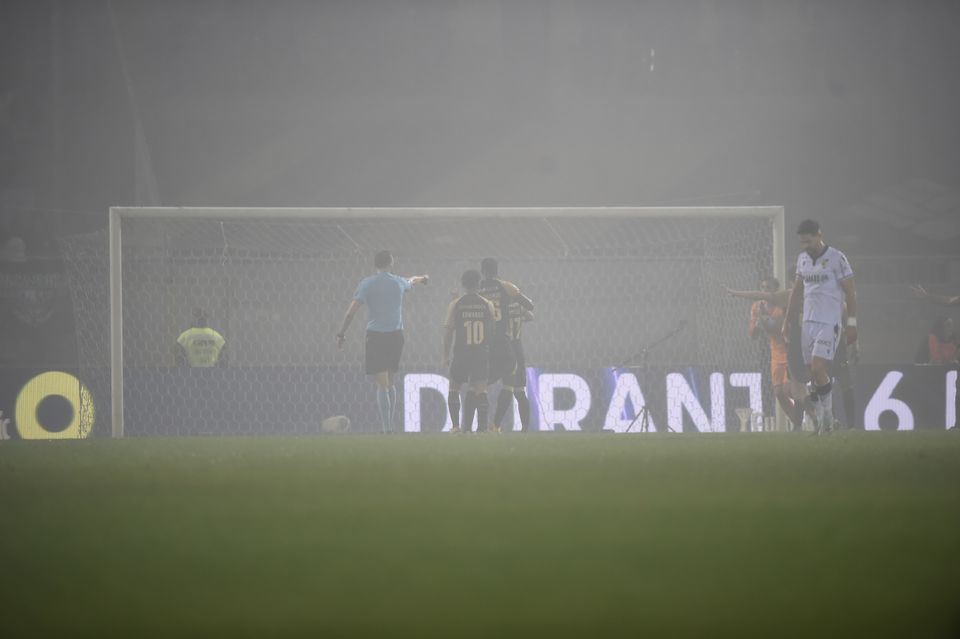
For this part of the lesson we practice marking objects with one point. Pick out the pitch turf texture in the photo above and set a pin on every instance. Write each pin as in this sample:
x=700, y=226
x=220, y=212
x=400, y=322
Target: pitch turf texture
x=540, y=535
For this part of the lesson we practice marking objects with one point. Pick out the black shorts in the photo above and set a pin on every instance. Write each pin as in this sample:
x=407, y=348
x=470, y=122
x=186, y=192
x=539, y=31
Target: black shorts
x=517, y=378
x=470, y=366
x=382, y=352
x=503, y=361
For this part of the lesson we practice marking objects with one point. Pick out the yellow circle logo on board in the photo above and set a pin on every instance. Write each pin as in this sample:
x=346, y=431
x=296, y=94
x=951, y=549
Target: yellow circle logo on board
x=54, y=384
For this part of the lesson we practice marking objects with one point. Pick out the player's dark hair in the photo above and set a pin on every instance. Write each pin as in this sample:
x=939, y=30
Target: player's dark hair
x=808, y=227
x=383, y=259
x=488, y=267
x=471, y=280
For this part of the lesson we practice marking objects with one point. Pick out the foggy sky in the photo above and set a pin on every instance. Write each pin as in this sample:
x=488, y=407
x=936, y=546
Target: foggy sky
x=813, y=105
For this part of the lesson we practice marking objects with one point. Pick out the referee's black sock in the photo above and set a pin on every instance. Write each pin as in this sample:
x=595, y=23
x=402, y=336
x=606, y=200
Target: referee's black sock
x=523, y=407
x=453, y=405
x=469, y=406
x=503, y=404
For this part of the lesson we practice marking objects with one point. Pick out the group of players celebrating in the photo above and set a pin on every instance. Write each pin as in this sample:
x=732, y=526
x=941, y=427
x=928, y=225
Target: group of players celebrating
x=482, y=326
x=824, y=296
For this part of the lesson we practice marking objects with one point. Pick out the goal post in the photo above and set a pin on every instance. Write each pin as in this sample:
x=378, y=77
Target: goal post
x=276, y=281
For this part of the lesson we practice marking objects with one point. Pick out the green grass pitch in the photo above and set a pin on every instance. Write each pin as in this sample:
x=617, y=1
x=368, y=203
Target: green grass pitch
x=540, y=535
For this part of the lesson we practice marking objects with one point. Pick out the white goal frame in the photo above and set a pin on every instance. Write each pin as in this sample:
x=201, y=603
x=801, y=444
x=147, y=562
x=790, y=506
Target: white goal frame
x=775, y=214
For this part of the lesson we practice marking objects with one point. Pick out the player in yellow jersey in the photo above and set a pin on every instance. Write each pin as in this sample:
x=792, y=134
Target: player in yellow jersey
x=507, y=363
x=468, y=329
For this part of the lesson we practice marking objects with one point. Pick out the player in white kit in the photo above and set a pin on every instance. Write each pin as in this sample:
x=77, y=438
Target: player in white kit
x=824, y=281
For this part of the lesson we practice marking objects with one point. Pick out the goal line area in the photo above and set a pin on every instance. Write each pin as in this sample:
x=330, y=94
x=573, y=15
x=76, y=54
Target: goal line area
x=608, y=284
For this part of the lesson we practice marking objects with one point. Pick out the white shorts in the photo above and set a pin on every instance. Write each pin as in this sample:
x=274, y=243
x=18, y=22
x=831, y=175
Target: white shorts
x=819, y=340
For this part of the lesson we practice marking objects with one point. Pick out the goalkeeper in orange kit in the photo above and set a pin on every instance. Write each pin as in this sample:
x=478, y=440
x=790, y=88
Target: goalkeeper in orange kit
x=766, y=318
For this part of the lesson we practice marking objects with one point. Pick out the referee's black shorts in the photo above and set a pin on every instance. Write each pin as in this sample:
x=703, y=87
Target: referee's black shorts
x=382, y=352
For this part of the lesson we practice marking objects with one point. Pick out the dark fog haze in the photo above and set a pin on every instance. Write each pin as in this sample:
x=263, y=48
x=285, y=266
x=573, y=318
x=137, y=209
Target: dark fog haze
x=813, y=105
x=844, y=111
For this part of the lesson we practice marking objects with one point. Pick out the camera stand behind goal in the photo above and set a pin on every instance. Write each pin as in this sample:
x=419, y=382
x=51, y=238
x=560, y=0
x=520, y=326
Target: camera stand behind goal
x=643, y=415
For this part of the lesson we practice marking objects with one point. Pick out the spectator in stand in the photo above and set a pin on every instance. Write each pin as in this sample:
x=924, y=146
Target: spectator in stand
x=940, y=346
x=921, y=293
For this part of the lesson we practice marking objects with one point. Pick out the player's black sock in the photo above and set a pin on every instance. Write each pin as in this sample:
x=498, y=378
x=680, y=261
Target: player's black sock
x=826, y=400
x=483, y=409
x=469, y=406
x=504, y=400
x=453, y=405
x=523, y=407
x=850, y=409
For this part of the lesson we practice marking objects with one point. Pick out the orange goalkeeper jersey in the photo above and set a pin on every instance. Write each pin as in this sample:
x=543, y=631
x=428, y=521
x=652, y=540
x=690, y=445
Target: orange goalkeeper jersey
x=769, y=318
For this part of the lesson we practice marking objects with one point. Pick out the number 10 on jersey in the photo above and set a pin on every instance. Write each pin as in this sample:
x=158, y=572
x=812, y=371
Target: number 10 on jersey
x=474, y=332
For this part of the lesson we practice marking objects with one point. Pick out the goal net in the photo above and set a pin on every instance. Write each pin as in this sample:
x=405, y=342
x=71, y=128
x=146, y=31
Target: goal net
x=630, y=311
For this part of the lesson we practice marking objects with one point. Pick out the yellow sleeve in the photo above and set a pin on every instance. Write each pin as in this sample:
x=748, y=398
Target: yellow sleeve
x=511, y=289
x=448, y=322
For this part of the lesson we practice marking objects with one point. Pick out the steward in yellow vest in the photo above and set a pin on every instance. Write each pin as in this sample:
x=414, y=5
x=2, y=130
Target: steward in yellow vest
x=200, y=345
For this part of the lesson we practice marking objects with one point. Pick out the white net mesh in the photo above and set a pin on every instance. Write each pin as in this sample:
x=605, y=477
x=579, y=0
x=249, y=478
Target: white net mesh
x=276, y=289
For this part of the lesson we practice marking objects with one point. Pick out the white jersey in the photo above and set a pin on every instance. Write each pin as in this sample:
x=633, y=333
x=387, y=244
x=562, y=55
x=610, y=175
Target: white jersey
x=822, y=293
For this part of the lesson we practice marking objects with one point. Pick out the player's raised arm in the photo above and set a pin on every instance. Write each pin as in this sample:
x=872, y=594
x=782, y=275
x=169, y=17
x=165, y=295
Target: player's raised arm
x=920, y=293
x=763, y=296
x=780, y=297
x=418, y=279
x=513, y=292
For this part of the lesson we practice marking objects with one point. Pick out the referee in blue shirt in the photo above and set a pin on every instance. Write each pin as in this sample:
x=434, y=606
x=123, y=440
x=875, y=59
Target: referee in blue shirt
x=383, y=296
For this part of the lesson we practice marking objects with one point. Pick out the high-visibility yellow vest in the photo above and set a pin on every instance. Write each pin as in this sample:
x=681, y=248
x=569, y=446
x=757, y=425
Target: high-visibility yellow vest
x=202, y=346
